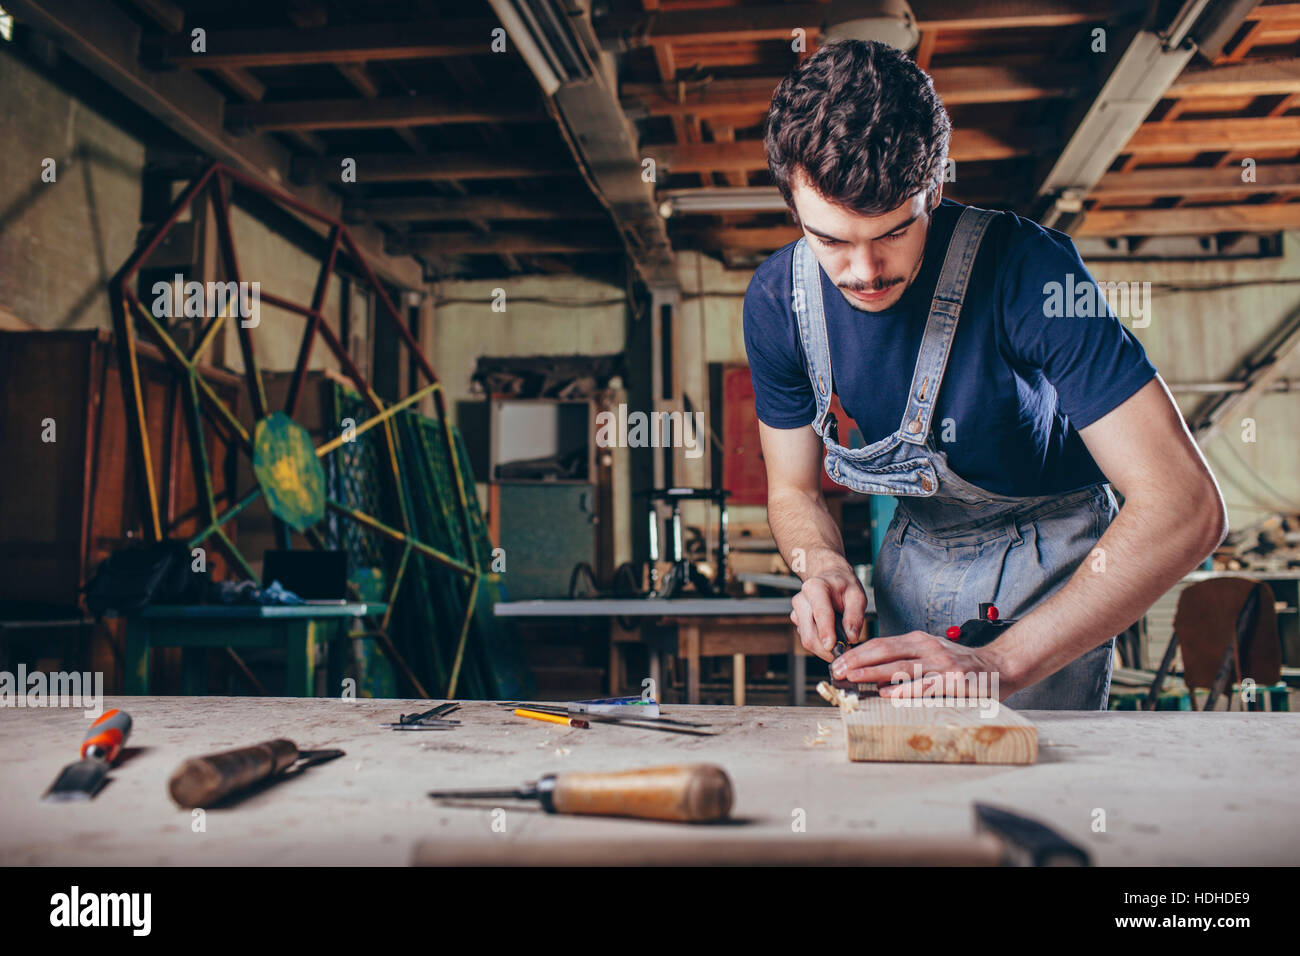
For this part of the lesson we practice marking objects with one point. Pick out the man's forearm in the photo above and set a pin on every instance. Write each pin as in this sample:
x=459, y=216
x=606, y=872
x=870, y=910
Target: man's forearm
x=805, y=533
x=1149, y=546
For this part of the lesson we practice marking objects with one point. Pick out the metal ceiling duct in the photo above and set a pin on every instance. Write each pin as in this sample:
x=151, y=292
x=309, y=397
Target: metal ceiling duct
x=541, y=32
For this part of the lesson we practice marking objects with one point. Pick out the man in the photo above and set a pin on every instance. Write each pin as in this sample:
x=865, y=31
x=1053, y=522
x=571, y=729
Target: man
x=996, y=421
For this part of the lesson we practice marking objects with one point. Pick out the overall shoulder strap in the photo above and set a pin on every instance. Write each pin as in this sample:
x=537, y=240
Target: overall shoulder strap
x=945, y=307
x=810, y=318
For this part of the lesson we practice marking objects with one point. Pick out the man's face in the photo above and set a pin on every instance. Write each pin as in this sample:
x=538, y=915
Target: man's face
x=871, y=259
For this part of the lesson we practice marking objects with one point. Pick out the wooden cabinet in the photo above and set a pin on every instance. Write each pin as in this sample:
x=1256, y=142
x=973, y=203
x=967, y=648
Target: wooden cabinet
x=65, y=504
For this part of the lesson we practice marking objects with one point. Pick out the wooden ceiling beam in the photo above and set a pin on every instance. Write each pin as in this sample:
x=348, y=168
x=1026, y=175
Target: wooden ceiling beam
x=1253, y=78
x=406, y=167
x=1270, y=132
x=775, y=21
x=967, y=145
x=502, y=242
x=747, y=238
x=351, y=43
x=956, y=86
x=171, y=18
x=1190, y=220
x=1195, y=181
x=455, y=208
x=104, y=40
x=380, y=113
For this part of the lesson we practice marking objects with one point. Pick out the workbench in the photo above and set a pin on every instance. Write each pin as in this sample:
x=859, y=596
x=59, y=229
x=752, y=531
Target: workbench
x=690, y=628
x=1177, y=789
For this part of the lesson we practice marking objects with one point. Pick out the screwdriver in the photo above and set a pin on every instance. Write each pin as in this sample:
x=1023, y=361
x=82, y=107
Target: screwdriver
x=689, y=793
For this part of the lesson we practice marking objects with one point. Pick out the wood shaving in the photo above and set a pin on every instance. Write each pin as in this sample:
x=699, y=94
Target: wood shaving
x=814, y=741
x=822, y=729
x=561, y=751
x=846, y=701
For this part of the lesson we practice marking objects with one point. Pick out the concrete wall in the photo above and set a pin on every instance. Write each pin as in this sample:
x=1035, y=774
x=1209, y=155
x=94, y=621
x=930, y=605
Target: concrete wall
x=285, y=270
x=61, y=241
x=1197, y=336
x=465, y=328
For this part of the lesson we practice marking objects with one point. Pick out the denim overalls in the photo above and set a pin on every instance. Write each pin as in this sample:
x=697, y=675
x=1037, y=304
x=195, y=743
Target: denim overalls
x=952, y=545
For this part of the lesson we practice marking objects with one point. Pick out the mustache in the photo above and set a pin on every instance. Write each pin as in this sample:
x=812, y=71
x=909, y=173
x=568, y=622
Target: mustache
x=880, y=285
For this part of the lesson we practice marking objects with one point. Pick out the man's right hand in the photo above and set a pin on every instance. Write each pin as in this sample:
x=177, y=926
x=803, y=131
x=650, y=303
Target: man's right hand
x=823, y=597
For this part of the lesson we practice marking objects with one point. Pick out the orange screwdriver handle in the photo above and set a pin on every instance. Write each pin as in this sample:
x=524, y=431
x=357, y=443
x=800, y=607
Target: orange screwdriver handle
x=107, y=735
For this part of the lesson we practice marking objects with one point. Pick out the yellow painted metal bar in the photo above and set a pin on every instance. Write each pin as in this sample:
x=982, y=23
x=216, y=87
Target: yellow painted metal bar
x=239, y=558
x=133, y=369
x=464, y=636
x=397, y=584
x=374, y=420
x=243, y=503
x=390, y=435
x=209, y=334
x=434, y=553
x=226, y=414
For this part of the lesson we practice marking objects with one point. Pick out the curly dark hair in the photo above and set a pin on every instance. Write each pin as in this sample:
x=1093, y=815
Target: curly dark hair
x=864, y=124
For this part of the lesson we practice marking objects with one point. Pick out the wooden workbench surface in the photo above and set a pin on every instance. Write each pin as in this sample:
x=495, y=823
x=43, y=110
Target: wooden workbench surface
x=1176, y=788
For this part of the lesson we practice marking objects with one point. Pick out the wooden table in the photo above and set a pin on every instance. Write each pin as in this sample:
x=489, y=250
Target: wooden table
x=294, y=627
x=1177, y=789
x=704, y=627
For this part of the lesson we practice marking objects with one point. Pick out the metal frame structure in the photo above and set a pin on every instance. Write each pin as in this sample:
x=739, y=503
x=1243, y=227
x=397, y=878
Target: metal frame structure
x=215, y=184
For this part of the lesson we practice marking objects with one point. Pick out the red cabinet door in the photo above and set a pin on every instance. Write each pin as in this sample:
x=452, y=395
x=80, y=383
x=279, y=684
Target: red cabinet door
x=743, y=471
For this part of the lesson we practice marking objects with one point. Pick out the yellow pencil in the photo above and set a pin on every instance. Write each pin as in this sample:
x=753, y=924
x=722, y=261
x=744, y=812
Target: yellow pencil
x=552, y=718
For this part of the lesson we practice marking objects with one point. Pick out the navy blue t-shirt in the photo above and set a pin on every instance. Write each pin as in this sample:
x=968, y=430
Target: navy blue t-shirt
x=1018, y=385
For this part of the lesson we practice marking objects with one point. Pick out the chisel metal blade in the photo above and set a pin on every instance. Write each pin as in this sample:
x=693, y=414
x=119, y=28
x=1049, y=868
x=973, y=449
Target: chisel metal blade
x=841, y=646
x=526, y=792
x=77, y=781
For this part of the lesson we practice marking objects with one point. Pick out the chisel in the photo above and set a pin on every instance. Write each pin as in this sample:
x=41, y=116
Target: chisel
x=204, y=781
x=690, y=793
x=103, y=743
x=842, y=645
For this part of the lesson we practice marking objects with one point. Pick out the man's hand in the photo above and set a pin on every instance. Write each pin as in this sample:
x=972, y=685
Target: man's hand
x=910, y=664
x=809, y=539
x=825, y=596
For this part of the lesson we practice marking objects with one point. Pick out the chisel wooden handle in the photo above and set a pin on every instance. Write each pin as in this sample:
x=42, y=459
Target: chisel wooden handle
x=202, y=781
x=691, y=793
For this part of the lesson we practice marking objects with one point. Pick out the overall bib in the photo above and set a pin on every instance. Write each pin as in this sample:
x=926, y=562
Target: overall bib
x=952, y=545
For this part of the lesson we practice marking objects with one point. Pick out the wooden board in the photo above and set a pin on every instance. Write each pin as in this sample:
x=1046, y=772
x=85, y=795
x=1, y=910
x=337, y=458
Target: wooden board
x=945, y=733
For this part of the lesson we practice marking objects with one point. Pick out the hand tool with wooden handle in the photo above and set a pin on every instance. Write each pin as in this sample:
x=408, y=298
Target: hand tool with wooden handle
x=203, y=781
x=690, y=793
x=1001, y=838
x=103, y=743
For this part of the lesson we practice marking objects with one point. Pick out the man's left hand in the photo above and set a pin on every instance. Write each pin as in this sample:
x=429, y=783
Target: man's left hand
x=918, y=664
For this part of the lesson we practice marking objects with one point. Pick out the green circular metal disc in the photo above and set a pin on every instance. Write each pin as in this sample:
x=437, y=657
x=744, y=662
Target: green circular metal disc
x=290, y=474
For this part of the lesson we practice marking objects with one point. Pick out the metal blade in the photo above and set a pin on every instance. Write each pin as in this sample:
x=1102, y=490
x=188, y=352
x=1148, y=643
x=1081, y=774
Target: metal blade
x=520, y=793
x=308, y=758
x=449, y=725
x=77, y=781
x=841, y=646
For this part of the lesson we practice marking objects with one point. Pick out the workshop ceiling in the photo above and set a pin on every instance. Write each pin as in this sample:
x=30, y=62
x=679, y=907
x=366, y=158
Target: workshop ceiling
x=464, y=162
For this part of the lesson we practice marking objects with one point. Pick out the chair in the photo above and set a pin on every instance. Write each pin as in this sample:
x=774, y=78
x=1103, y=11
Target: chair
x=1227, y=628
